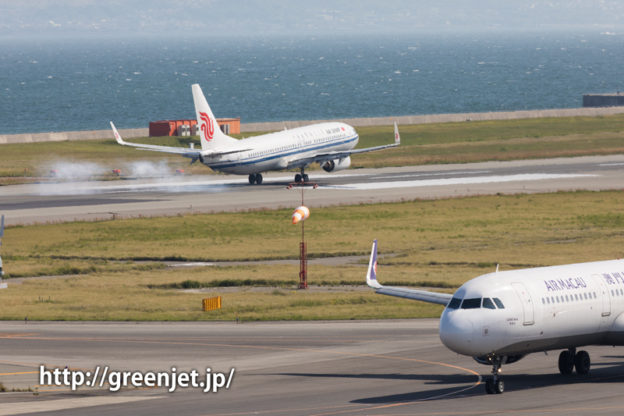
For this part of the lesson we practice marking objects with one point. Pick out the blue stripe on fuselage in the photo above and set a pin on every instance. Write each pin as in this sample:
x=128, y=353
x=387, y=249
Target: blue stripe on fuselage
x=251, y=161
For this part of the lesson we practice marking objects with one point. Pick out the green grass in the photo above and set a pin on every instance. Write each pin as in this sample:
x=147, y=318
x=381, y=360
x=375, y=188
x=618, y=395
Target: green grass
x=440, y=244
x=424, y=143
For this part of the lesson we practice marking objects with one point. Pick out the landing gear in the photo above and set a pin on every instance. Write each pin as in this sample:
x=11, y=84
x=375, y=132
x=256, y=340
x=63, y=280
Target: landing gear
x=570, y=360
x=495, y=384
x=255, y=178
x=302, y=177
x=566, y=362
x=582, y=363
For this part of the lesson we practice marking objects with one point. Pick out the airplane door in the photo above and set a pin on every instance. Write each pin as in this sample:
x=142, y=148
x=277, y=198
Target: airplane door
x=527, y=303
x=604, y=295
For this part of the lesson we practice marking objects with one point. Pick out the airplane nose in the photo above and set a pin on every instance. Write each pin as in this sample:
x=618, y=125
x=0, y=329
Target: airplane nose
x=456, y=331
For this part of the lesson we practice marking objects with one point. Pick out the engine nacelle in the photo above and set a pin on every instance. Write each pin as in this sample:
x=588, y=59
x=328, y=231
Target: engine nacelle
x=337, y=164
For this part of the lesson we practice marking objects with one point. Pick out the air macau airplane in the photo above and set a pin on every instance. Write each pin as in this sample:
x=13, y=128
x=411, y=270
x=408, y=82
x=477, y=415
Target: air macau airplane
x=329, y=144
x=500, y=317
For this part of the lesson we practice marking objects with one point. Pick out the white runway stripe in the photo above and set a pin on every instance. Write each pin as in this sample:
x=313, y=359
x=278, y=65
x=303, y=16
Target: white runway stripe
x=455, y=181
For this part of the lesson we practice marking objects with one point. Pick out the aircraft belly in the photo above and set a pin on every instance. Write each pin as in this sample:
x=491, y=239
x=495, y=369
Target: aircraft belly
x=552, y=343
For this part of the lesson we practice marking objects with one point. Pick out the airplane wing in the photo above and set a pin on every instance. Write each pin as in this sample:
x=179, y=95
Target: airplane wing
x=324, y=157
x=339, y=155
x=182, y=151
x=422, y=295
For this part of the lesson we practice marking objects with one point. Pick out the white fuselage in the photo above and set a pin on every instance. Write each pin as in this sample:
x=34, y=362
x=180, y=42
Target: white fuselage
x=544, y=308
x=285, y=149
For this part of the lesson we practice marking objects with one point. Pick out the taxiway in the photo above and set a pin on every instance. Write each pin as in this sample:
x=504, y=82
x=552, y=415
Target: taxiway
x=299, y=368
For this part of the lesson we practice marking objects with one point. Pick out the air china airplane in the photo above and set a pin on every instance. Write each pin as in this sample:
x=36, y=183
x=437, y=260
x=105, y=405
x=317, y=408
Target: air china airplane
x=500, y=317
x=329, y=144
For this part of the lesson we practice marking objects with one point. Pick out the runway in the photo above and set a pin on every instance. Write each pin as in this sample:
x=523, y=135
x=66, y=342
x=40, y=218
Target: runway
x=301, y=368
x=91, y=200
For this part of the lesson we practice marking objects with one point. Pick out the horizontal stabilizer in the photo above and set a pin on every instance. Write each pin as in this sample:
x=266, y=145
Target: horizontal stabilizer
x=183, y=151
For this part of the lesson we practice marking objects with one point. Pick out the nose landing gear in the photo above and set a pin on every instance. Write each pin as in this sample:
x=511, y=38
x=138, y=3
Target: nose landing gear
x=495, y=384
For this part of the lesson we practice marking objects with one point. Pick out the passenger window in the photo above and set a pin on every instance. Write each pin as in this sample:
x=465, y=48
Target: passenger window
x=488, y=304
x=454, y=303
x=473, y=303
x=499, y=303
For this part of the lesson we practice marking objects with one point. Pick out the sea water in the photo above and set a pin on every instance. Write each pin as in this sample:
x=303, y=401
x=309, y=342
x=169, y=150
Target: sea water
x=81, y=84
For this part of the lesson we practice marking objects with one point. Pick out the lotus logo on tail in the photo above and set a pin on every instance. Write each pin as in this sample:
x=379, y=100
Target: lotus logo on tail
x=207, y=126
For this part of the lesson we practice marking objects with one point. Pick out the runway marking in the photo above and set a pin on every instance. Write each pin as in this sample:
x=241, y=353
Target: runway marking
x=572, y=410
x=416, y=175
x=172, y=184
x=17, y=335
x=19, y=373
x=612, y=164
x=470, y=180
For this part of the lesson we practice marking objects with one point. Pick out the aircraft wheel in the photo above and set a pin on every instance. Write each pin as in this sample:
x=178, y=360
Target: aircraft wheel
x=252, y=178
x=499, y=386
x=582, y=362
x=298, y=178
x=259, y=178
x=566, y=363
x=305, y=177
x=489, y=386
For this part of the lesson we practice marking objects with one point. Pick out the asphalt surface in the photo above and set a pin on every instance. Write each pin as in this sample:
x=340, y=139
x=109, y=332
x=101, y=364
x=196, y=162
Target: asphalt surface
x=309, y=368
x=69, y=201
x=389, y=367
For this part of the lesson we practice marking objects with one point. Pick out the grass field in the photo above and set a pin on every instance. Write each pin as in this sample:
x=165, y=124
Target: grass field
x=421, y=144
x=114, y=269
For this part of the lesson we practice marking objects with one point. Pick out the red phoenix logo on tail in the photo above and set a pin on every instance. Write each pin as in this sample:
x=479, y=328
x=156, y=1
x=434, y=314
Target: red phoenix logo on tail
x=207, y=126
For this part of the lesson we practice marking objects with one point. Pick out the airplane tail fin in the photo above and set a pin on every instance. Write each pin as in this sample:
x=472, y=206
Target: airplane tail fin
x=210, y=134
x=397, y=136
x=371, y=275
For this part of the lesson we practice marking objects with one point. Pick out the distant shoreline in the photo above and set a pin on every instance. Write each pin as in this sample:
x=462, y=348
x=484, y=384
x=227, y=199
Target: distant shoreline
x=356, y=122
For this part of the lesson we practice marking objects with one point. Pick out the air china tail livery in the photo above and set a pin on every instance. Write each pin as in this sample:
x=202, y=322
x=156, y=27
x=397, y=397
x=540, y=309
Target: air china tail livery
x=500, y=317
x=329, y=144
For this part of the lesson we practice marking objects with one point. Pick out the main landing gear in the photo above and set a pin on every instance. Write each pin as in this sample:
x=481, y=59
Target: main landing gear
x=301, y=177
x=495, y=384
x=570, y=359
x=255, y=178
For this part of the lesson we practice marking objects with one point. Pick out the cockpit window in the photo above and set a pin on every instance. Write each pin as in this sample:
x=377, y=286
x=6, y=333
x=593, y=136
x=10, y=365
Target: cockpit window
x=488, y=304
x=472, y=303
x=454, y=303
x=499, y=303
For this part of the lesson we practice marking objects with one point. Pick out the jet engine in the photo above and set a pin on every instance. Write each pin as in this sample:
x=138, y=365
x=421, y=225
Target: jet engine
x=337, y=164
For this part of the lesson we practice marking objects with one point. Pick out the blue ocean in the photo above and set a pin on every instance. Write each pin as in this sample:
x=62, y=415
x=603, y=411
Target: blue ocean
x=81, y=84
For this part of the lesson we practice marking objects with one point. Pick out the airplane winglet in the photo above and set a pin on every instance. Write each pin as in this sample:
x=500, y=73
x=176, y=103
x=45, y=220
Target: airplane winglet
x=117, y=135
x=397, y=136
x=371, y=274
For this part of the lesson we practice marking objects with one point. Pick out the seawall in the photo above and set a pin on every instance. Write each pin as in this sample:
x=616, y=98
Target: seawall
x=356, y=122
